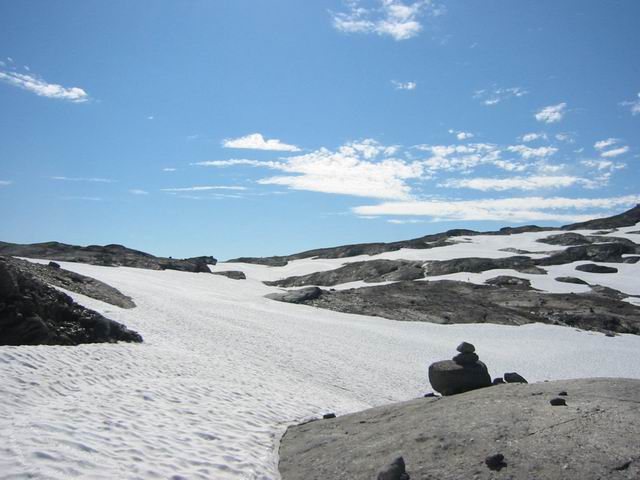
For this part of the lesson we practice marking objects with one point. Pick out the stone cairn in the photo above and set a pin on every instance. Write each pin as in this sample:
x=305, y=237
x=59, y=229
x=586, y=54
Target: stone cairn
x=464, y=372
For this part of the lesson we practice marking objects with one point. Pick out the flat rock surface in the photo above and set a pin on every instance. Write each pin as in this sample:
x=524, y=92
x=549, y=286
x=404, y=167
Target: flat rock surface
x=594, y=437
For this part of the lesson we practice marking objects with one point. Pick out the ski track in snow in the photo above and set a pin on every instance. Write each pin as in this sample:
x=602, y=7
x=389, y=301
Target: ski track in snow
x=223, y=371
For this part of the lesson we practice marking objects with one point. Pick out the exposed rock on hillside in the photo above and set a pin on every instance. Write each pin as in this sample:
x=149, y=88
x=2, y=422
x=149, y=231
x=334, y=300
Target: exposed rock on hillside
x=372, y=271
x=625, y=219
x=33, y=313
x=440, y=302
x=369, y=271
x=450, y=438
x=232, y=274
x=108, y=255
x=74, y=282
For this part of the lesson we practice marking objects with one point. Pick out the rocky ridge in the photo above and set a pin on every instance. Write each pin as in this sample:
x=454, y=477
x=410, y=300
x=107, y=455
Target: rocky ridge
x=108, y=255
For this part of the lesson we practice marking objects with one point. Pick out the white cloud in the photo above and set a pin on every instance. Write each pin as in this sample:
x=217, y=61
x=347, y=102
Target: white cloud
x=516, y=183
x=634, y=105
x=603, y=165
x=564, y=137
x=606, y=152
x=552, y=113
x=42, y=88
x=615, y=152
x=528, y=152
x=234, y=162
x=4, y=183
x=402, y=222
x=203, y=188
x=84, y=199
x=465, y=158
x=519, y=209
x=151, y=117
x=81, y=179
x=391, y=18
x=602, y=144
x=531, y=137
x=169, y=169
x=461, y=135
x=360, y=168
x=495, y=95
x=404, y=85
x=137, y=191
x=256, y=141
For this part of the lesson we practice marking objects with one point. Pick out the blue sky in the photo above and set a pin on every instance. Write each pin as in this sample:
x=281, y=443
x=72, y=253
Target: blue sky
x=268, y=127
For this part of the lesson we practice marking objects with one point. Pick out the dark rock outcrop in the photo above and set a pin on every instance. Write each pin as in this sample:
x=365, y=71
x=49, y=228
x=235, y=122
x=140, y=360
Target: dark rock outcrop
x=625, y=219
x=53, y=274
x=232, y=274
x=33, y=313
x=575, y=280
x=371, y=271
x=440, y=302
x=108, y=255
x=296, y=296
x=593, y=268
x=450, y=438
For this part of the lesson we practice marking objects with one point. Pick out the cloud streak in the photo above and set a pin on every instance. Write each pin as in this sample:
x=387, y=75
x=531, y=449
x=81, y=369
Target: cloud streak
x=42, y=88
x=83, y=179
x=518, y=209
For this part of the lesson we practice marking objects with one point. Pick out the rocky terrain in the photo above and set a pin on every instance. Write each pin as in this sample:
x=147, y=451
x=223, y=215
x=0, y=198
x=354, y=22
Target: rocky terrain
x=108, y=255
x=403, y=290
x=630, y=217
x=507, y=301
x=34, y=313
x=53, y=274
x=570, y=429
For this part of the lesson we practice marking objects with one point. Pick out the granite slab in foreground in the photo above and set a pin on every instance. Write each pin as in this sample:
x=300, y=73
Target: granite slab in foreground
x=595, y=436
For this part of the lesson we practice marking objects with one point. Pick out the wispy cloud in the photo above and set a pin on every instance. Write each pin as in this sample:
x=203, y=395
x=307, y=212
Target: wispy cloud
x=137, y=191
x=517, y=209
x=42, y=88
x=533, y=136
x=404, y=85
x=528, y=152
x=169, y=169
x=634, y=105
x=83, y=179
x=465, y=158
x=535, y=182
x=204, y=188
x=495, y=95
x=604, y=147
x=235, y=162
x=256, y=141
x=392, y=18
x=552, y=113
x=84, y=199
x=4, y=183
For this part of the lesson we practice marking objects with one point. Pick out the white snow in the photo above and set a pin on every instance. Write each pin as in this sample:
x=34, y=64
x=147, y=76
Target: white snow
x=223, y=371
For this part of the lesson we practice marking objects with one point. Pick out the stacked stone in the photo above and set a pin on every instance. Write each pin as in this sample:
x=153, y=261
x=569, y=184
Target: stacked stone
x=461, y=374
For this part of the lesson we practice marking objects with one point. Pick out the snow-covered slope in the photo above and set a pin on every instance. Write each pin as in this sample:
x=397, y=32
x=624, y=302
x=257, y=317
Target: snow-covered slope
x=224, y=370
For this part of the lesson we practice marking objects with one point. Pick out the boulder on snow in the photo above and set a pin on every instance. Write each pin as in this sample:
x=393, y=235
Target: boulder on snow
x=593, y=268
x=296, y=296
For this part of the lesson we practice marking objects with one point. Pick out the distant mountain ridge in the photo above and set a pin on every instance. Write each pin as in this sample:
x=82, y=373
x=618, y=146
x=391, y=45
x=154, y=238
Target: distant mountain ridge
x=625, y=219
x=112, y=255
